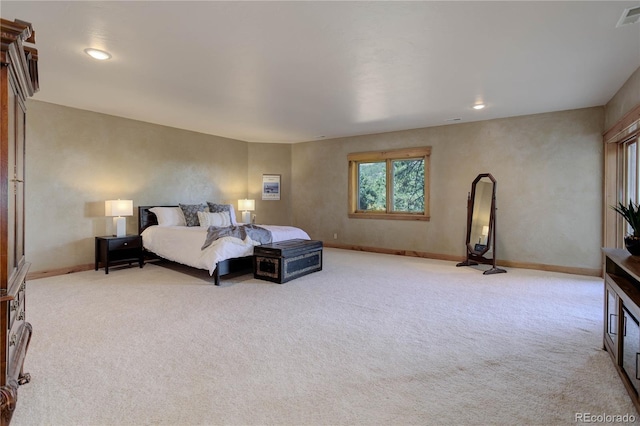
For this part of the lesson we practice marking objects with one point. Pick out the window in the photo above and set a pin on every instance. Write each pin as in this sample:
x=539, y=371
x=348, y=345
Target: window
x=630, y=179
x=621, y=186
x=631, y=171
x=389, y=184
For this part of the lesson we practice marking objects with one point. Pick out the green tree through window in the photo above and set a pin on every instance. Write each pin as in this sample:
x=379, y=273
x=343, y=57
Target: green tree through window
x=389, y=184
x=372, y=186
x=408, y=185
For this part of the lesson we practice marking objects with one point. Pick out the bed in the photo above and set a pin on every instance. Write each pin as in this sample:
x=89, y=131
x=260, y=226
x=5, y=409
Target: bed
x=182, y=244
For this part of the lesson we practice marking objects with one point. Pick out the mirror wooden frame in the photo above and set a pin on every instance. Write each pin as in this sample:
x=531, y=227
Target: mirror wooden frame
x=476, y=252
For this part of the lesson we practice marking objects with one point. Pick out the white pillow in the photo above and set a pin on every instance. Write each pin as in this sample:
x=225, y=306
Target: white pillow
x=169, y=216
x=217, y=208
x=232, y=214
x=214, y=219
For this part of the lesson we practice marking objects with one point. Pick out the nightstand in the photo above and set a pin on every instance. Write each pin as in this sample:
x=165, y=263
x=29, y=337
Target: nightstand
x=110, y=250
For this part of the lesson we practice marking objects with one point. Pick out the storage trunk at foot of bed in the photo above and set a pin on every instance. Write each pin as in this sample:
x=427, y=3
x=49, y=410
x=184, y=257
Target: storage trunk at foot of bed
x=283, y=261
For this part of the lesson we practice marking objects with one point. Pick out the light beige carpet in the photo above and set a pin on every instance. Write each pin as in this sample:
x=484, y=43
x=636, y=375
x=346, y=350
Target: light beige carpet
x=372, y=339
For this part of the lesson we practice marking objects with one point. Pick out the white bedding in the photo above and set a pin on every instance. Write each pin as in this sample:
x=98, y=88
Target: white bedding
x=182, y=244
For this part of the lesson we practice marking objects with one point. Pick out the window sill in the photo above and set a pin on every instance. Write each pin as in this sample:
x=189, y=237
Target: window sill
x=389, y=216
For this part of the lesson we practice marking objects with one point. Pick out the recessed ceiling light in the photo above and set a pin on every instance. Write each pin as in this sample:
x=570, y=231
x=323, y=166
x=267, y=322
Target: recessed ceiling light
x=100, y=55
x=478, y=106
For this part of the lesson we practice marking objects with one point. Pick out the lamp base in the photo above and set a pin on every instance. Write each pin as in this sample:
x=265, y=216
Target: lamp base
x=119, y=226
x=246, y=217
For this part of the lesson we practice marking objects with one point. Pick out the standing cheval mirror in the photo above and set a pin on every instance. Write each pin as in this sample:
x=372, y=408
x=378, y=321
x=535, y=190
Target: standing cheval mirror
x=481, y=224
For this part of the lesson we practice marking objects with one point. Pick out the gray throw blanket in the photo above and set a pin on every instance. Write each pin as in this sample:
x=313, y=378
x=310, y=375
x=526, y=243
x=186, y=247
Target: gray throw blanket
x=261, y=235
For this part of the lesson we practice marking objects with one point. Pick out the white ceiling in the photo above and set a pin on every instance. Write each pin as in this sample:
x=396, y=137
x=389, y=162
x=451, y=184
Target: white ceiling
x=298, y=71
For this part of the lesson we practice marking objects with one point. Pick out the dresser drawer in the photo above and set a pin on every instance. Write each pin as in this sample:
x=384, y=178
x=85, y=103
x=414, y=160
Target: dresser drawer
x=16, y=306
x=125, y=243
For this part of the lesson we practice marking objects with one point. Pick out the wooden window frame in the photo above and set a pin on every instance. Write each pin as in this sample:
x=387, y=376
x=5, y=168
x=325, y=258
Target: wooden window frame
x=355, y=159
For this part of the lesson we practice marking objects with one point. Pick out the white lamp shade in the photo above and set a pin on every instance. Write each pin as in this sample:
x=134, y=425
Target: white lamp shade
x=485, y=230
x=247, y=205
x=118, y=208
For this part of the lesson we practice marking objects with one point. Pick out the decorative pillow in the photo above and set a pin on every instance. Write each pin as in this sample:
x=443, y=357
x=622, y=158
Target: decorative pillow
x=190, y=212
x=168, y=216
x=217, y=208
x=214, y=219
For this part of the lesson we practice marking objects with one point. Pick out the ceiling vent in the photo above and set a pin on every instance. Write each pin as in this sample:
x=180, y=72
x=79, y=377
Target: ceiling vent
x=629, y=16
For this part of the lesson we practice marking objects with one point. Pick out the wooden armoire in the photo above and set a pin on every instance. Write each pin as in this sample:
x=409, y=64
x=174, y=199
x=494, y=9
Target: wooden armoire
x=18, y=81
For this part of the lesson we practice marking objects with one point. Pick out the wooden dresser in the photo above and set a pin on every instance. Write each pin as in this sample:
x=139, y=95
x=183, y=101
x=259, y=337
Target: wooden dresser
x=621, y=337
x=18, y=81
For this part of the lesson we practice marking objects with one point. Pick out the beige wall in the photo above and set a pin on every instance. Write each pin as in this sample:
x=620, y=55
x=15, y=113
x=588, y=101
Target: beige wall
x=627, y=98
x=270, y=159
x=549, y=173
x=77, y=159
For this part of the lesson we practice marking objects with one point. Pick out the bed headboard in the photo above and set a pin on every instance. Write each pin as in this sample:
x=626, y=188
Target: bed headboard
x=146, y=218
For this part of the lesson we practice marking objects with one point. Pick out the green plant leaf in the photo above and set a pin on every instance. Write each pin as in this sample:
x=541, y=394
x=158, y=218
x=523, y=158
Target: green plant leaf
x=631, y=214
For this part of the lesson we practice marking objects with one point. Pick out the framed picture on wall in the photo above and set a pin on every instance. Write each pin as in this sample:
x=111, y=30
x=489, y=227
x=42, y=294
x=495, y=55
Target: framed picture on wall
x=270, y=187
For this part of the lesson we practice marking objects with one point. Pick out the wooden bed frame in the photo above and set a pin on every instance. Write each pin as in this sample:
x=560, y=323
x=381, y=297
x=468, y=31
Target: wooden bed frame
x=147, y=218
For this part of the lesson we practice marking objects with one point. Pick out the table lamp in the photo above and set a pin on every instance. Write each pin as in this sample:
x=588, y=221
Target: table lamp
x=485, y=233
x=246, y=206
x=117, y=209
